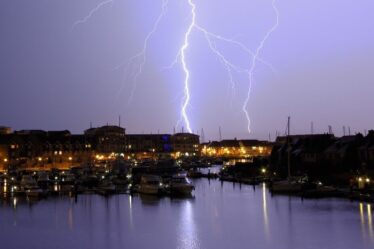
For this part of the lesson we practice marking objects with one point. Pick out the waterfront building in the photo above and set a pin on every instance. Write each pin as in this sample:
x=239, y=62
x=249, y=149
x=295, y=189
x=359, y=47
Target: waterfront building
x=107, y=139
x=43, y=149
x=306, y=154
x=325, y=157
x=148, y=145
x=236, y=148
x=366, y=152
x=185, y=144
x=61, y=149
x=343, y=153
x=5, y=130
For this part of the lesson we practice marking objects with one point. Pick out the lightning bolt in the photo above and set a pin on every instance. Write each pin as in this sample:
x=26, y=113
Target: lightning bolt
x=185, y=68
x=142, y=53
x=253, y=64
x=91, y=13
x=228, y=65
x=139, y=59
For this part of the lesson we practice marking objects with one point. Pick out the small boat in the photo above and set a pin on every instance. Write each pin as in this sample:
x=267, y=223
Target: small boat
x=67, y=179
x=30, y=187
x=286, y=187
x=106, y=187
x=34, y=192
x=121, y=180
x=27, y=181
x=292, y=185
x=194, y=174
x=43, y=179
x=180, y=185
x=89, y=180
x=320, y=191
x=150, y=184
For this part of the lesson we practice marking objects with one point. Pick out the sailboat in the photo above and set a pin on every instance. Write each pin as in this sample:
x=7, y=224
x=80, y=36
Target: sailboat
x=290, y=185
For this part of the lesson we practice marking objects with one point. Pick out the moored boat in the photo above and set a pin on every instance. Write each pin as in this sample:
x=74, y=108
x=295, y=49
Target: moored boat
x=180, y=185
x=43, y=179
x=150, y=184
x=30, y=187
x=106, y=187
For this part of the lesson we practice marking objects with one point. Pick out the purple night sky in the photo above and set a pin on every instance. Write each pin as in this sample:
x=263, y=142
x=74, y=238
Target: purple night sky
x=53, y=76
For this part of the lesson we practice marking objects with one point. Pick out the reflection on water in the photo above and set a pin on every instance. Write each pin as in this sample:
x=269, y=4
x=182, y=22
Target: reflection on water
x=187, y=236
x=70, y=218
x=370, y=220
x=130, y=212
x=220, y=215
x=366, y=220
x=265, y=211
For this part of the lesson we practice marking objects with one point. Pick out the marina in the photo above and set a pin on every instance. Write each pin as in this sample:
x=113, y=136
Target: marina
x=127, y=125
x=159, y=178
x=217, y=215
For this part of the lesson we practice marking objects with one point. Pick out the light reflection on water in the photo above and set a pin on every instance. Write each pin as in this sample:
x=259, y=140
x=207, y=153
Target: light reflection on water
x=265, y=211
x=370, y=226
x=366, y=221
x=220, y=215
x=187, y=236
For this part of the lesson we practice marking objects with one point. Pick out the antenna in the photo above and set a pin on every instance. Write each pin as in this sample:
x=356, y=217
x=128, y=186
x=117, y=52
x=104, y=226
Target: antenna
x=90, y=125
x=330, y=129
x=312, y=128
x=349, y=130
x=220, y=133
x=343, y=130
x=119, y=120
x=174, y=130
x=202, y=135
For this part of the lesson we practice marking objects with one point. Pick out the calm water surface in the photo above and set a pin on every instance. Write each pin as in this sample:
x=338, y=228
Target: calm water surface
x=218, y=216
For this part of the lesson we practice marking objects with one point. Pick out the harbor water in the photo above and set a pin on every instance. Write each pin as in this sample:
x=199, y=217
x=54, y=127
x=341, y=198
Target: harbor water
x=218, y=215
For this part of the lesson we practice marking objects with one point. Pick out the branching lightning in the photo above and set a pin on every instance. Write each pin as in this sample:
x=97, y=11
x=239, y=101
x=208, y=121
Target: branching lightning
x=91, y=13
x=139, y=59
x=182, y=52
x=228, y=65
x=253, y=64
x=142, y=54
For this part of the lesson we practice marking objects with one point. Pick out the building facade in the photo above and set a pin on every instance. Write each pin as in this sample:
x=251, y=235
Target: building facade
x=236, y=149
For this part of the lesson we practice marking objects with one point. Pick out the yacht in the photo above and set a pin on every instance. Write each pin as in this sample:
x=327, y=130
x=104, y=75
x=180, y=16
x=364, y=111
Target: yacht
x=43, y=179
x=67, y=179
x=150, y=184
x=31, y=188
x=292, y=185
x=180, y=185
x=106, y=187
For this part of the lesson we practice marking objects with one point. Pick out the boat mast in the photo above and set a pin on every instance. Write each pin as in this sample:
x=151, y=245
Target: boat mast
x=288, y=148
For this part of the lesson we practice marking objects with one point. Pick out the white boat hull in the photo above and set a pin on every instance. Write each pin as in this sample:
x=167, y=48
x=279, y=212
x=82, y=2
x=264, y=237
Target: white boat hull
x=149, y=189
x=181, y=189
